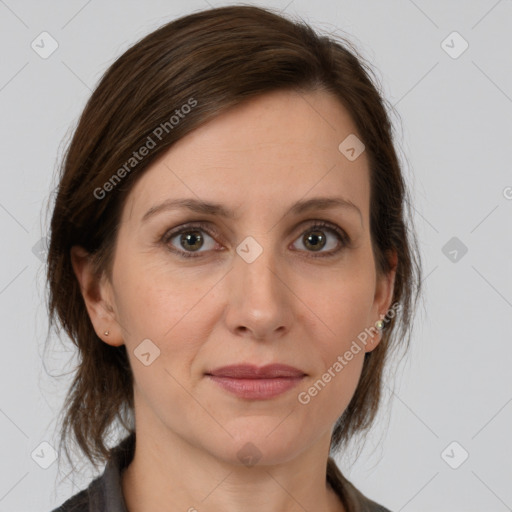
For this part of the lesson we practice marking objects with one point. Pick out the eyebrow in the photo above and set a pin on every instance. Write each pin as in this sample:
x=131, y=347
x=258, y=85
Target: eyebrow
x=212, y=208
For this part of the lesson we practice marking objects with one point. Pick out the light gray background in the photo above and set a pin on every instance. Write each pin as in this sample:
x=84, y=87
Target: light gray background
x=456, y=116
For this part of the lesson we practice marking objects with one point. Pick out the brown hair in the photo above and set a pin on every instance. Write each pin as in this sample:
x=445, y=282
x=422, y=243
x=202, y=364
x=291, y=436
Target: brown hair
x=213, y=59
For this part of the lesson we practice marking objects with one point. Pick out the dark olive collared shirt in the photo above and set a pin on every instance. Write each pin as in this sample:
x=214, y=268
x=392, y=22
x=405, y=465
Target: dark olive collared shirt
x=105, y=493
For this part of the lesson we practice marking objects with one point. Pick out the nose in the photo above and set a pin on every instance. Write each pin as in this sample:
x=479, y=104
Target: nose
x=260, y=300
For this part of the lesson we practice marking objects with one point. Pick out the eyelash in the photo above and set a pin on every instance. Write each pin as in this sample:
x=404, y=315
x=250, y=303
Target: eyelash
x=343, y=238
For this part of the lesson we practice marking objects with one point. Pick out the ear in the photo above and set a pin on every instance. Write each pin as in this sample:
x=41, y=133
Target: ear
x=383, y=295
x=98, y=297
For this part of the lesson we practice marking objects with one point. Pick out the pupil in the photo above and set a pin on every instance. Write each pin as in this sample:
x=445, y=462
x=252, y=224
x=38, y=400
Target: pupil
x=192, y=239
x=318, y=240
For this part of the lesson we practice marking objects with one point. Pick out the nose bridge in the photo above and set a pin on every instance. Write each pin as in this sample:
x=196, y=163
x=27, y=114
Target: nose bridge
x=258, y=300
x=255, y=267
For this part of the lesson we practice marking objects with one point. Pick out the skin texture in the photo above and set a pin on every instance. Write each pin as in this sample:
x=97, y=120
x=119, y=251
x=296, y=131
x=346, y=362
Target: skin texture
x=286, y=306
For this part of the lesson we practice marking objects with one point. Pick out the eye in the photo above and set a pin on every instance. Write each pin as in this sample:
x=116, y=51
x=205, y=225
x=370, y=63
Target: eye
x=189, y=239
x=316, y=238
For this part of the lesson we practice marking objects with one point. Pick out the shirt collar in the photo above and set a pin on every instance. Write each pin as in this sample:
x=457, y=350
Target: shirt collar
x=107, y=495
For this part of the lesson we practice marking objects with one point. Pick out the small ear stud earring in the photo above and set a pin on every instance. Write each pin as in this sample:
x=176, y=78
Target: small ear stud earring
x=106, y=333
x=379, y=324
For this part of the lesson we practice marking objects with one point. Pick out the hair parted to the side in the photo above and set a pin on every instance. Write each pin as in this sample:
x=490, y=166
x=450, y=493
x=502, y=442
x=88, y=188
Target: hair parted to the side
x=219, y=58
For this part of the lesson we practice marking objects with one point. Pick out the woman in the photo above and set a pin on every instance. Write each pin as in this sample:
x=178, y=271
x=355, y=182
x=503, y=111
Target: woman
x=229, y=253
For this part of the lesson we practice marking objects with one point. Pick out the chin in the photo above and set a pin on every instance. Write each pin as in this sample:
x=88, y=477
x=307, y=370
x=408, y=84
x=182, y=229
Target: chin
x=261, y=442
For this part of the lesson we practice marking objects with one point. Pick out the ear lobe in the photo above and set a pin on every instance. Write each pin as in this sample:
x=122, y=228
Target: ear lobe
x=96, y=293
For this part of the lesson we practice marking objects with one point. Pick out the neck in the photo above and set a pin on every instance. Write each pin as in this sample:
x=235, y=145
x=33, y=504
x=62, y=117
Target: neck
x=168, y=474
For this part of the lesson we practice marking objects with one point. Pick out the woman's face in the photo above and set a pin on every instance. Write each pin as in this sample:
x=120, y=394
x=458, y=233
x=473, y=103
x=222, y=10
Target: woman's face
x=258, y=286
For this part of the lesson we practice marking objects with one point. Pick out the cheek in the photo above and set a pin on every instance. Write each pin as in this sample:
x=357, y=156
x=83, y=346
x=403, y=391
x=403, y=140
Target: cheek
x=154, y=301
x=327, y=394
x=342, y=306
x=340, y=312
x=157, y=304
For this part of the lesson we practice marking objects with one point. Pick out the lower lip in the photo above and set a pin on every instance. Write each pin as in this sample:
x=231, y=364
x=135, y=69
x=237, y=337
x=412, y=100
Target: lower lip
x=256, y=389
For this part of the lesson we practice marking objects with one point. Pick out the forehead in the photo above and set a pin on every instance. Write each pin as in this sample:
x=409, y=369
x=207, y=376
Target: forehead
x=276, y=148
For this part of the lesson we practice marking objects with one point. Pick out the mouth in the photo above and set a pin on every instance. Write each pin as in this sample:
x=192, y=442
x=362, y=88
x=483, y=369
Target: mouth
x=256, y=383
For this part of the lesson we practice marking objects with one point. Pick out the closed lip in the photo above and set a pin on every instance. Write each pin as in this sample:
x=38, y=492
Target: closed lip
x=249, y=371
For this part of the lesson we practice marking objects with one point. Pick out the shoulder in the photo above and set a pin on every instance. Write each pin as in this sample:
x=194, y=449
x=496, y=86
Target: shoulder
x=351, y=497
x=375, y=507
x=368, y=505
x=77, y=503
x=92, y=497
x=104, y=493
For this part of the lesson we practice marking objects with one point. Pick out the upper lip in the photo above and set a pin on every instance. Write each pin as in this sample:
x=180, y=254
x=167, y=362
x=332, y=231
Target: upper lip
x=249, y=371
